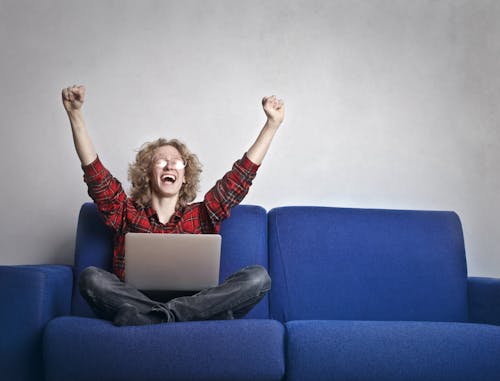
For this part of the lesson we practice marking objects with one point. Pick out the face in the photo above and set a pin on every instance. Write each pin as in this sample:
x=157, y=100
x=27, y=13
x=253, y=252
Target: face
x=167, y=177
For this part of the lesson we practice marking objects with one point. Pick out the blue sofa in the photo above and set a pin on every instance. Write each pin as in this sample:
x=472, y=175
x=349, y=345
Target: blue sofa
x=357, y=294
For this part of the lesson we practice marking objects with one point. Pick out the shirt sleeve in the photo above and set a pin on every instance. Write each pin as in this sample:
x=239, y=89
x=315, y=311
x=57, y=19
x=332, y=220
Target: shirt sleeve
x=107, y=193
x=230, y=190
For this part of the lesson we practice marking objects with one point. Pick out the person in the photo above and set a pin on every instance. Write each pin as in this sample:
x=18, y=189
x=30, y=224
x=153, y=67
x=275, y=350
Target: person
x=165, y=179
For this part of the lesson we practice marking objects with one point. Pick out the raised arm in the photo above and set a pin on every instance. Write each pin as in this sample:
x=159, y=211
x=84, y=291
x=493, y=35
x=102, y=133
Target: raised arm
x=73, y=98
x=275, y=112
x=103, y=188
x=233, y=187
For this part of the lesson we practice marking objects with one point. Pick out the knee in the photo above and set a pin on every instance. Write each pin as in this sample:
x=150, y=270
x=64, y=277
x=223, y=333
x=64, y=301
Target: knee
x=258, y=278
x=90, y=280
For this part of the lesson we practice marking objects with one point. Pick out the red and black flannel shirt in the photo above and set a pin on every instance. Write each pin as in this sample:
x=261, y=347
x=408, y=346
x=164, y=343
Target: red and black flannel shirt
x=123, y=214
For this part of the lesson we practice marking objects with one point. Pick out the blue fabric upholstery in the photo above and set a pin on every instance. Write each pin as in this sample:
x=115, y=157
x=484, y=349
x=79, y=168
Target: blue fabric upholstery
x=93, y=247
x=244, y=243
x=30, y=296
x=484, y=300
x=361, y=264
x=374, y=351
x=364, y=295
x=81, y=349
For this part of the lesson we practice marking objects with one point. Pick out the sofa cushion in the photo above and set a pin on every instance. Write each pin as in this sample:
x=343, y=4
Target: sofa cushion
x=355, y=350
x=244, y=243
x=362, y=264
x=93, y=247
x=82, y=349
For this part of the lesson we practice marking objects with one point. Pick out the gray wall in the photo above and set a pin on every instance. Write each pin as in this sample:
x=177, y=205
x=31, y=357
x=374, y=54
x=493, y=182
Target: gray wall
x=390, y=104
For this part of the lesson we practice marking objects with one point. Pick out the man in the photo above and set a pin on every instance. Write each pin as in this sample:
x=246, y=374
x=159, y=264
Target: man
x=165, y=178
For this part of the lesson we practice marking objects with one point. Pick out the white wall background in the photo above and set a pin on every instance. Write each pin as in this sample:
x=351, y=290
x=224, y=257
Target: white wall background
x=389, y=104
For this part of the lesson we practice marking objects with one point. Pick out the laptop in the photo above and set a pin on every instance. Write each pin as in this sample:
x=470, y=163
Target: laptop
x=172, y=262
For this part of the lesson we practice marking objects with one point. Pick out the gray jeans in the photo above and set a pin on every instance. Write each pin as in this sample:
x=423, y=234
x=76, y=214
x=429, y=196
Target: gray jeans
x=117, y=301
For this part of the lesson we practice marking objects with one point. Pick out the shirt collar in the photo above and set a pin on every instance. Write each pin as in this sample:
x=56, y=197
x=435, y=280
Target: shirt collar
x=151, y=213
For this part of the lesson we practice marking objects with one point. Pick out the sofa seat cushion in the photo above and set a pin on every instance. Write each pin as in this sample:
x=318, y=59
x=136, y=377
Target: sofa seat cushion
x=369, y=350
x=85, y=349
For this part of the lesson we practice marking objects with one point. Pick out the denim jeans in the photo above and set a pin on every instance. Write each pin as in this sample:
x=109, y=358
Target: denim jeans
x=109, y=298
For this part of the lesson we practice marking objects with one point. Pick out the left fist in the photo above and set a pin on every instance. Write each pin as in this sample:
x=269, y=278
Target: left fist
x=274, y=109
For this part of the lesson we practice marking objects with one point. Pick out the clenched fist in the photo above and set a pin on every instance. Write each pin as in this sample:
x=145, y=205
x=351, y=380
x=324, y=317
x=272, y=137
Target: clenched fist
x=73, y=97
x=274, y=109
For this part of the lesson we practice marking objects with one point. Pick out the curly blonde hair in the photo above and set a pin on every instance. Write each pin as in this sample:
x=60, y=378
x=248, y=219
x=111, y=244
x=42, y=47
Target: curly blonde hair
x=139, y=173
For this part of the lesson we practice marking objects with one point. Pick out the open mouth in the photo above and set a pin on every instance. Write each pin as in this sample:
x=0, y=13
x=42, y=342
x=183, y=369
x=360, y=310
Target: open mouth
x=170, y=179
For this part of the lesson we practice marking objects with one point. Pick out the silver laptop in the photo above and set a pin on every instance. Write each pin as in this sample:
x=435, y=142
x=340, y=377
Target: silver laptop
x=172, y=262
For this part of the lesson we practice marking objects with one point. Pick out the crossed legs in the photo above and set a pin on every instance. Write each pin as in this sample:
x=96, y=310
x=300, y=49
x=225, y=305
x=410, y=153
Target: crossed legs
x=114, y=300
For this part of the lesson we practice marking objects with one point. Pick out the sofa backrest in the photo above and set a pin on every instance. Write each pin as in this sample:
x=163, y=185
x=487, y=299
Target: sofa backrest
x=244, y=242
x=362, y=264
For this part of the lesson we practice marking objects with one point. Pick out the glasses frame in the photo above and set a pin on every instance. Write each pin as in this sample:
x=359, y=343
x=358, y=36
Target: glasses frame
x=168, y=162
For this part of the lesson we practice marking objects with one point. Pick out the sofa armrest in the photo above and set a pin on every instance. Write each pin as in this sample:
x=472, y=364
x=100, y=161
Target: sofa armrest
x=30, y=296
x=484, y=300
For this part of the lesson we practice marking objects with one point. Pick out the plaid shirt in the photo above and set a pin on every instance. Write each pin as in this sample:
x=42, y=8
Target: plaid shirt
x=123, y=214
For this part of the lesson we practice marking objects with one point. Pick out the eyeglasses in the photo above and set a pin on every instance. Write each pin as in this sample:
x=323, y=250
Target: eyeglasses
x=175, y=163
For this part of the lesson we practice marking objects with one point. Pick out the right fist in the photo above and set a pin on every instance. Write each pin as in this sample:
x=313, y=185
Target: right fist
x=73, y=97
